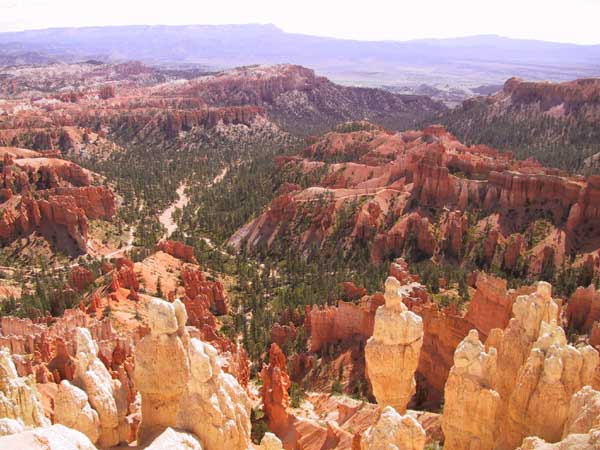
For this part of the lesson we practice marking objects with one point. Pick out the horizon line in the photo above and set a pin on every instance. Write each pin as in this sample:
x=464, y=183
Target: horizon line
x=269, y=24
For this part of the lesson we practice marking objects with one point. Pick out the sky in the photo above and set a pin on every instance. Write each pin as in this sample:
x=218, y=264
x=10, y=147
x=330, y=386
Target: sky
x=573, y=21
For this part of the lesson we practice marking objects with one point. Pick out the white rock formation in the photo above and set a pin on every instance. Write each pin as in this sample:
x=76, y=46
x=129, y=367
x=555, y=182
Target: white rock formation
x=392, y=353
x=55, y=437
x=553, y=372
x=589, y=441
x=582, y=428
x=175, y=440
x=584, y=412
x=183, y=386
x=270, y=442
x=102, y=391
x=19, y=398
x=471, y=406
x=72, y=409
x=394, y=432
x=10, y=426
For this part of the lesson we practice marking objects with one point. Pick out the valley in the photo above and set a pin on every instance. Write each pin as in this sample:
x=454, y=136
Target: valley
x=261, y=258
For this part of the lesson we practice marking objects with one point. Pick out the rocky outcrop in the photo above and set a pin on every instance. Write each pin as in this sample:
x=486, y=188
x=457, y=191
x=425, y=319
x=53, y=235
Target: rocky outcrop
x=392, y=353
x=72, y=409
x=553, y=372
x=515, y=342
x=582, y=429
x=283, y=334
x=175, y=440
x=275, y=385
x=105, y=395
x=412, y=232
x=496, y=398
x=80, y=278
x=423, y=194
x=19, y=398
x=444, y=329
x=202, y=295
x=303, y=102
x=199, y=397
x=51, y=196
x=583, y=309
x=124, y=276
x=343, y=322
x=584, y=412
x=178, y=250
x=393, y=431
x=491, y=305
x=538, y=112
x=471, y=406
x=589, y=441
x=454, y=231
x=56, y=437
x=270, y=442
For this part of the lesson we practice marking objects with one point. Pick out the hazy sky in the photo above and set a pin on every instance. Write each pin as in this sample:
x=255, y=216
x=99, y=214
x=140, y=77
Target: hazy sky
x=553, y=20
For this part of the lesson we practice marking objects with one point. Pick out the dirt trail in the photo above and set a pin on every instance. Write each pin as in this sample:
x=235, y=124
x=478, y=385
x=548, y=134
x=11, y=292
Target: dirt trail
x=166, y=218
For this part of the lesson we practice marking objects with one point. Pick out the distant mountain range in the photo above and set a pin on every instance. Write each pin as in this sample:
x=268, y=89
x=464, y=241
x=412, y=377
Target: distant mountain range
x=458, y=63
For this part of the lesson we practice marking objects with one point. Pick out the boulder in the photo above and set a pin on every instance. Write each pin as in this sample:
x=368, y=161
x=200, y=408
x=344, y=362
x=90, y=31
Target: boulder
x=270, y=442
x=393, y=432
x=55, y=437
x=175, y=440
x=72, y=409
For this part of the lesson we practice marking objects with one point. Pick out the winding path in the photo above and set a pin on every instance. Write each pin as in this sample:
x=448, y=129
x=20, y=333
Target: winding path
x=166, y=218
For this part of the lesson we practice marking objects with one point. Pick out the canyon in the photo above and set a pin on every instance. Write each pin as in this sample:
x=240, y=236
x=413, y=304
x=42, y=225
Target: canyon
x=425, y=194
x=259, y=258
x=542, y=117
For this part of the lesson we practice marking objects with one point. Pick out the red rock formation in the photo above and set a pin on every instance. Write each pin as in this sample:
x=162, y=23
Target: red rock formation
x=342, y=322
x=454, y=231
x=443, y=331
x=178, y=250
x=352, y=292
x=513, y=251
x=276, y=383
x=583, y=309
x=399, y=270
x=62, y=365
x=124, y=276
x=199, y=289
x=402, y=186
x=63, y=200
x=283, y=334
x=491, y=304
x=80, y=278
